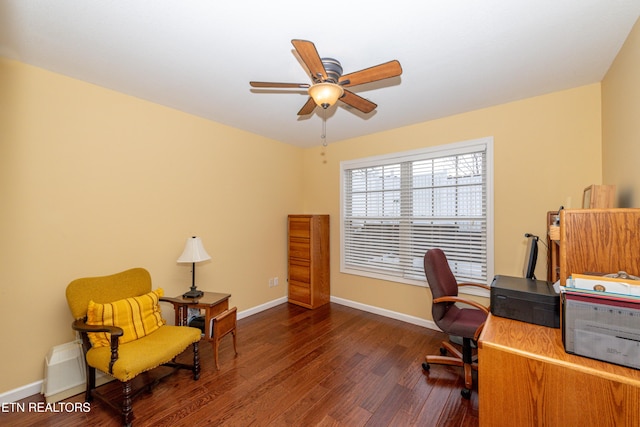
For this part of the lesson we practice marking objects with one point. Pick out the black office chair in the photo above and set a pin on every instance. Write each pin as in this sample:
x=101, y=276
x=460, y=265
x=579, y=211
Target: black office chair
x=453, y=320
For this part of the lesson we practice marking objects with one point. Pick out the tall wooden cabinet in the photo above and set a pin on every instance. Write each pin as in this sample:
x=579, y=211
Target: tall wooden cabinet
x=308, y=237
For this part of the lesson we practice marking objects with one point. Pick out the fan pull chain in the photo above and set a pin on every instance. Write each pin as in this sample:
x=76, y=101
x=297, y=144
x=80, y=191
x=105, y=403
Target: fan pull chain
x=323, y=135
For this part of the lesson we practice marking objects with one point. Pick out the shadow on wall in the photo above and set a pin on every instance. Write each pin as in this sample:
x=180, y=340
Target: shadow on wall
x=625, y=198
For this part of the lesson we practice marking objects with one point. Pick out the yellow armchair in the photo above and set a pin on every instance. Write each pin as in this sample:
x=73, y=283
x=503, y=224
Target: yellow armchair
x=123, y=333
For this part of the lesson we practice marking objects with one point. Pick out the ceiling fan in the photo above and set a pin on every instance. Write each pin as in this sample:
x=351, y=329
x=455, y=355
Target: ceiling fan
x=328, y=84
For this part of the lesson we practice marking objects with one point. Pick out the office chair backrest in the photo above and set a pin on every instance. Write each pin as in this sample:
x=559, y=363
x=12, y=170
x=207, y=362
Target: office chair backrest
x=441, y=281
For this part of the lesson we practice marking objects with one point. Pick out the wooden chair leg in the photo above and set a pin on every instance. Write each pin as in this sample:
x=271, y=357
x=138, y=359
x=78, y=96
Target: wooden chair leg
x=216, y=345
x=467, y=358
x=127, y=409
x=91, y=383
x=464, y=359
x=468, y=378
x=451, y=349
x=235, y=349
x=196, y=361
x=454, y=360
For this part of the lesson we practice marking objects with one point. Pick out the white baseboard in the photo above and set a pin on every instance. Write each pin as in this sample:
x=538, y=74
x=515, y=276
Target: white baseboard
x=353, y=304
x=21, y=392
x=262, y=307
x=36, y=387
x=386, y=313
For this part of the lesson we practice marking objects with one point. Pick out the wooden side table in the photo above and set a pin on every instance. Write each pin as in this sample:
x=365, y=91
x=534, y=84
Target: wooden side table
x=213, y=303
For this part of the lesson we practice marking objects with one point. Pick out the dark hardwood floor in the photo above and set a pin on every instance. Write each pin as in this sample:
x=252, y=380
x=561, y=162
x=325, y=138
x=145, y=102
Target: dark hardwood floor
x=296, y=367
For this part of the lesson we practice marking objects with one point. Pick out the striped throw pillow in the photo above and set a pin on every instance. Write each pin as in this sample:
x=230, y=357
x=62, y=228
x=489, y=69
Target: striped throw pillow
x=137, y=316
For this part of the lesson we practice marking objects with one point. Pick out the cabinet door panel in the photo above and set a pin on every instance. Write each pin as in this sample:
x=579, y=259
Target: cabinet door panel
x=299, y=248
x=300, y=293
x=299, y=227
x=299, y=271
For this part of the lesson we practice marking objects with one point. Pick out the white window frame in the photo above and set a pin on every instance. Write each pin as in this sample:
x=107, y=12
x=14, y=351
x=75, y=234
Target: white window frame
x=482, y=144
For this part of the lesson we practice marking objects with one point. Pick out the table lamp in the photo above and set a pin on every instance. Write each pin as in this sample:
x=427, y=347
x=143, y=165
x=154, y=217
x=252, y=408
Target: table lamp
x=193, y=252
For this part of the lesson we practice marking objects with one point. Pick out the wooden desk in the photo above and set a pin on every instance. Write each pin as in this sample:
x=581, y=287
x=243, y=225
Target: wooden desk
x=212, y=303
x=525, y=378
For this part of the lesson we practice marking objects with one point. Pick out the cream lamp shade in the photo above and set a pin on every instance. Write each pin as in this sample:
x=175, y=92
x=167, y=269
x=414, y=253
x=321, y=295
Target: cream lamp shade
x=193, y=252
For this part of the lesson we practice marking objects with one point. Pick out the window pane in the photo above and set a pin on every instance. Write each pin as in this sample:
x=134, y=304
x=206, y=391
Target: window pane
x=393, y=213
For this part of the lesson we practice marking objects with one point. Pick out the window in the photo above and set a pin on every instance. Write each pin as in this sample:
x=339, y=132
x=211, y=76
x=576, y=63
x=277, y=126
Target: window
x=396, y=207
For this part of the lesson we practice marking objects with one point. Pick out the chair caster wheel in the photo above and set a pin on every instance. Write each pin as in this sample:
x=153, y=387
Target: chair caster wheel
x=443, y=351
x=425, y=366
x=466, y=393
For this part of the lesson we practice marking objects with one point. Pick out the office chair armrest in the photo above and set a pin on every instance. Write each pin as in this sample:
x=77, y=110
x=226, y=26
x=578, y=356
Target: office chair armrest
x=463, y=301
x=477, y=285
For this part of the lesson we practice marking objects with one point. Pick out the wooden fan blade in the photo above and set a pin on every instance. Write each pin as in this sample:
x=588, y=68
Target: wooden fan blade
x=308, y=107
x=279, y=85
x=309, y=55
x=358, y=102
x=372, y=74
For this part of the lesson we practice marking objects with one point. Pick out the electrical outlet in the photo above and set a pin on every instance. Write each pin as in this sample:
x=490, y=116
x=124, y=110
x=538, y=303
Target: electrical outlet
x=275, y=281
x=271, y=285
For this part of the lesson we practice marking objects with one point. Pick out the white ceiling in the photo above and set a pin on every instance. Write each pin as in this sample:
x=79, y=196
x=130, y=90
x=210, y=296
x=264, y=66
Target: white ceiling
x=198, y=56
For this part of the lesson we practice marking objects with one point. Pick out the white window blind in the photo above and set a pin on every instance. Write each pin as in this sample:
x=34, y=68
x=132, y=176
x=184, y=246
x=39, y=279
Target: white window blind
x=395, y=208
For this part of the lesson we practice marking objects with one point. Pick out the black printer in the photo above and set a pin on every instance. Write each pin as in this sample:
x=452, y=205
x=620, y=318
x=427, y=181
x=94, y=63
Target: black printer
x=527, y=300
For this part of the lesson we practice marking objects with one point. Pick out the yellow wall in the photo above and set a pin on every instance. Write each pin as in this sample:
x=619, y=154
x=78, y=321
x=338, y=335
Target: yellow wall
x=621, y=122
x=93, y=182
x=546, y=150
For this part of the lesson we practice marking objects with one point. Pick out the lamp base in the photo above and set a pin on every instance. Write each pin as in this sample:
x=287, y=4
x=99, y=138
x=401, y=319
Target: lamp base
x=193, y=293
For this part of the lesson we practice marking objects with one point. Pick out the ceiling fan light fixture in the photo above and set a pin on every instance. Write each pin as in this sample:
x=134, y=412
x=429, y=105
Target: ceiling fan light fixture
x=326, y=94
